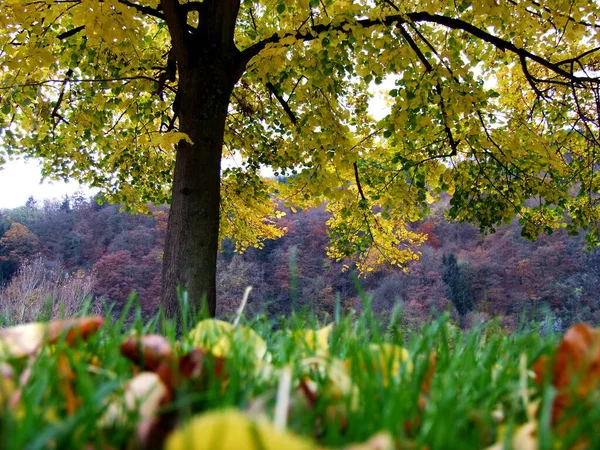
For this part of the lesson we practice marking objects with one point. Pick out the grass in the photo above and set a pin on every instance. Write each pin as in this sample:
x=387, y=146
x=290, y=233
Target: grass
x=479, y=392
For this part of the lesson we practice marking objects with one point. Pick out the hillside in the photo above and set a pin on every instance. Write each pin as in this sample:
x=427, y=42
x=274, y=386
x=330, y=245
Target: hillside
x=110, y=253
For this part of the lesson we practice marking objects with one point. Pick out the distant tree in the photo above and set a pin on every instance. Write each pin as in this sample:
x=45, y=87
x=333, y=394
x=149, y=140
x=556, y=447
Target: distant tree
x=116, y=277
x=458, y=289
x=31, y=202
x=18, y=243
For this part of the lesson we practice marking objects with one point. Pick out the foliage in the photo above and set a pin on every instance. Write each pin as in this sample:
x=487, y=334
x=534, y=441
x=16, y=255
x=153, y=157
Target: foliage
x=495, y=104
x=95, y=382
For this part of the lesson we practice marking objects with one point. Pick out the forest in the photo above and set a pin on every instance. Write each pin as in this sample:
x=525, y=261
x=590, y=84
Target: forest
x=104, y=252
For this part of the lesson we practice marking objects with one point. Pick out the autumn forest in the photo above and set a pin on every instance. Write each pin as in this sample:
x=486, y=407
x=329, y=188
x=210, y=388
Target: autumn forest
x=507, y=277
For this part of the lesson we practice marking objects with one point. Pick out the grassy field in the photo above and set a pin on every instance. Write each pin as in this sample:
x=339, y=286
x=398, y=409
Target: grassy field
x=355, y=381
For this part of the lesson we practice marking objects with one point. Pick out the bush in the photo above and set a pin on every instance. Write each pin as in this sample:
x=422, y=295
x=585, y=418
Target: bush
x=40, y=292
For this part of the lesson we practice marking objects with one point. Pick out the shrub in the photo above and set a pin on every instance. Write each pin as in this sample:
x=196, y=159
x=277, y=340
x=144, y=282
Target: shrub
x=39, y=292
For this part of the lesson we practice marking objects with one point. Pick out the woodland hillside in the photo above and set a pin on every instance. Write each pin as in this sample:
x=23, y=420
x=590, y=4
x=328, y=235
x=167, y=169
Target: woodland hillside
x=78, y=247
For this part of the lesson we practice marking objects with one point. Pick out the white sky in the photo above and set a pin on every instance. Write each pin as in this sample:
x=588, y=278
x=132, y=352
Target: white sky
x=20, y=179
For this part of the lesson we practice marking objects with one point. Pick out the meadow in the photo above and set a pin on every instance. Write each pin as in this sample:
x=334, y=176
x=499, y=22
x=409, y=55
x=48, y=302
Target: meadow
x=356, y=382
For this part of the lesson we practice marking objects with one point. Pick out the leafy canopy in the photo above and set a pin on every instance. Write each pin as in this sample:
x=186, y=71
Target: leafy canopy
x=495, y=103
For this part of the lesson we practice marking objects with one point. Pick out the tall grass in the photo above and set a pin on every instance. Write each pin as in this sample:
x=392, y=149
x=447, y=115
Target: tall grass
x=40, y=291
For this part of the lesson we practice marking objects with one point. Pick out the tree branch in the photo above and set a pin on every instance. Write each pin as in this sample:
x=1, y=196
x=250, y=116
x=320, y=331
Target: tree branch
x=168, y=74
x=449, y=22
x=176, y=19
x=283, y=103
x=143, y=9
x=429, y=68
x=68, y=34
x=358, y=185
x=78, y=80
x=60, y=98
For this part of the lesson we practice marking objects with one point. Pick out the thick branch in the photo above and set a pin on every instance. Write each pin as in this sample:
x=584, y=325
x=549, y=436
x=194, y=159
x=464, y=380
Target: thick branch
x=177, y=22
x=448, y=22
x=61, y=96
x=168, y=74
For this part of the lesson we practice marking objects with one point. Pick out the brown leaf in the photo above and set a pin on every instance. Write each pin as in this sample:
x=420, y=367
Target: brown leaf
x=147, y=351
x=195, y=363
x=67, y=378
x=576, y=368
x=74, y=329
x=27, y=339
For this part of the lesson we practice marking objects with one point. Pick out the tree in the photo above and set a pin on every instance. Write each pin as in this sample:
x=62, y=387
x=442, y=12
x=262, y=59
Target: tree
x=104, y=89
x=17, y=245
x=458, y=289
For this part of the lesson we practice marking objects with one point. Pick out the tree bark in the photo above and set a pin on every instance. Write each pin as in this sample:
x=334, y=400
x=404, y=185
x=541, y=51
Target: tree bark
x=208, y=65
x=192, y=240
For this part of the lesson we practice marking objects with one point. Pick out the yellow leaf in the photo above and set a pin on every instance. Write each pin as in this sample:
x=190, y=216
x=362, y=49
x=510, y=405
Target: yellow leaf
x=217, y=336
x=233, y=430
x=389, y=358
x=316, y=341
x=7, y=384
x=380, y=441
x=172, y=138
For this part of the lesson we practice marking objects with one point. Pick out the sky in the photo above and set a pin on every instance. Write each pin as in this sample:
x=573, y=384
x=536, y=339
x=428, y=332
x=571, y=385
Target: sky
x=20, y=179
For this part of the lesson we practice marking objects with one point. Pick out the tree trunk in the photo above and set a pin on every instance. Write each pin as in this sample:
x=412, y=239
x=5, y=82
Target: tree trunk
x=192, y=240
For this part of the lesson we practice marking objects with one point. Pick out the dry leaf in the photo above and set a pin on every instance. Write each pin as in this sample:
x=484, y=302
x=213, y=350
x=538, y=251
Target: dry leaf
x=22, y=340
x=524, y=438
x=7, y=384
x=314, y=341
x=147, y=351
x=143, y=394
x=27, y=339
x=74, y=329
x=576, y=368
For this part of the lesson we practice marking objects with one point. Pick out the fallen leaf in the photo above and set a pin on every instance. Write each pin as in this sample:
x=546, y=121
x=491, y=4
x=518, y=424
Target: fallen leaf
x=7, y=384
x=524, y=438
x=217, y=336
x=22, y=340
x=380, y=441
x=27, y=339
x=389, y=359
x=314, y=341
x=575, y=370
x=74, y=329
x=233, y=430
x=147, y=351
x=67, y=377
x=143, y=394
